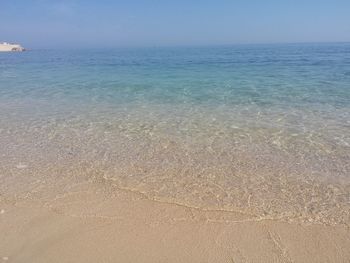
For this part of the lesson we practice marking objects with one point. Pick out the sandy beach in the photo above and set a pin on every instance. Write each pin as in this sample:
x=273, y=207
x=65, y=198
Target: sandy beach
x=86, y=223
x=218, y=154
x=174, y=131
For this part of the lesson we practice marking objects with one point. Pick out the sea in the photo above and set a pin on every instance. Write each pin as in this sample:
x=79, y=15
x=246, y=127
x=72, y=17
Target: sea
x=262, y=130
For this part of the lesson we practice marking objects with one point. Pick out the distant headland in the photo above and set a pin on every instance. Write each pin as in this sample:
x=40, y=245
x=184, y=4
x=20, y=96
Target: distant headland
x=7, y=47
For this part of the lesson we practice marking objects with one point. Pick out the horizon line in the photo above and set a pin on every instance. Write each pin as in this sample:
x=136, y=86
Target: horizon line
x=186, y=45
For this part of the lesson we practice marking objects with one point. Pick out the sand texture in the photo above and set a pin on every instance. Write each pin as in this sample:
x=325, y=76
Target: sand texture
x=87, y=224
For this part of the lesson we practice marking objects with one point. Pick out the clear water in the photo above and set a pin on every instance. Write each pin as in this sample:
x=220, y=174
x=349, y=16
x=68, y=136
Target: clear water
x=262, y=130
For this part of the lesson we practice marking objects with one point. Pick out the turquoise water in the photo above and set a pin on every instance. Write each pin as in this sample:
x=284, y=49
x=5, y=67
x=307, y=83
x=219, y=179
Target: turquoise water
x=258, y=129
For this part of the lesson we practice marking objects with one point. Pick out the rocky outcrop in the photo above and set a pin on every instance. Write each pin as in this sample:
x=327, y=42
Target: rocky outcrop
x=7, y=47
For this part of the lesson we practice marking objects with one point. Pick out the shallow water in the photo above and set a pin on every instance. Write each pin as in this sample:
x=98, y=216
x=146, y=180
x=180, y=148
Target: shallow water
x=262, y=129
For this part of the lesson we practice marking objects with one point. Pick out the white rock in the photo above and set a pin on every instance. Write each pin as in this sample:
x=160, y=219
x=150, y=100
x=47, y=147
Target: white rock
x=21, y=166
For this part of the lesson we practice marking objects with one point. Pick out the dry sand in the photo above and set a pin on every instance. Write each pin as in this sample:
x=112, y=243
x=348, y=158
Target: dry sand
x=87, y=224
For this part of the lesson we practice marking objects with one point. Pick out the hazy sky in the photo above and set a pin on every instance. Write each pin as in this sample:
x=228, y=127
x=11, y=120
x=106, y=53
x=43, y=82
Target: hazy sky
x=107, y=23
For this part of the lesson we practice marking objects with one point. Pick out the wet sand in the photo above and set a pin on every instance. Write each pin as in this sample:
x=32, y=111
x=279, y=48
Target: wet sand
x=232, y=154
x=94, y=222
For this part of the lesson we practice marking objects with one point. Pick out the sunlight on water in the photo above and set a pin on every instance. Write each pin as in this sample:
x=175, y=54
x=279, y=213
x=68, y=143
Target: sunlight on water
x=262, y=130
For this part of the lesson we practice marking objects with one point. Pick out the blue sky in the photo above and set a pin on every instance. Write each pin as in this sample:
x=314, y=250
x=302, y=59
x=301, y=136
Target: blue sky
x=107, y=23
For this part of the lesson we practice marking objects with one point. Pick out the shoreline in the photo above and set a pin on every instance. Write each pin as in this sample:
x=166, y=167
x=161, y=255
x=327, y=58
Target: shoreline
x=87, y=223
x=175, y=155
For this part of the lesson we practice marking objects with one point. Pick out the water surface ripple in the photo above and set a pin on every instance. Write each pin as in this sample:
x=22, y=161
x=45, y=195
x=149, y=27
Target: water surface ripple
x=260, y=129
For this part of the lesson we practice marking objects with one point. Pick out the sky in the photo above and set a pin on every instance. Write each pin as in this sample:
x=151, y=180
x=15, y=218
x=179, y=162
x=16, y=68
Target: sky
x=108, y=23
